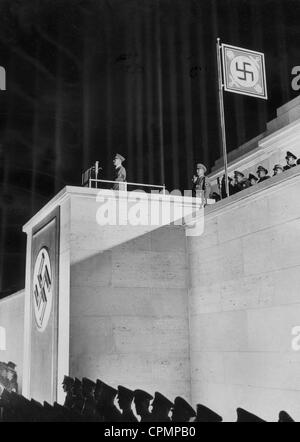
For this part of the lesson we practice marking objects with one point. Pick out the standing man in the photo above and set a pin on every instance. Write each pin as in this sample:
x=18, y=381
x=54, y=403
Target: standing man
x=142, y=401
x=262, y=174
x=120, y=172
x=201, y=185
x=290, y=161
x=125, y=398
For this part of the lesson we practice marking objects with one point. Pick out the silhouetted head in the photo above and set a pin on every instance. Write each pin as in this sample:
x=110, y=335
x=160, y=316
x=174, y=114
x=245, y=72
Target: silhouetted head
x=161, y=405
x=142, y=401
x=88, y=387
x=182, y=411
x=104, y=394
x=67, y=384
x=125, y=397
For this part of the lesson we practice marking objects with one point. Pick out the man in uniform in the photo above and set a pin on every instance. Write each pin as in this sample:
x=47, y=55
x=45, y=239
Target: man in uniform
x=120, y=171
x=105, y=396
x=67, y=385
x=161, y=407
x=142, y=401
x=182, y=411
x=125, y=398
x=201, y=185
x=241, y=182
x=290, y=161
x=90, y=404
x=277, y=169
x=262, y=174
x=78, y=400
x=252, y=179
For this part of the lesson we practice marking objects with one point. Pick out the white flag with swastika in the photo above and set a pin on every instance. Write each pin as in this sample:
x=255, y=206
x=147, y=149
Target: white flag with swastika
x=244, y=71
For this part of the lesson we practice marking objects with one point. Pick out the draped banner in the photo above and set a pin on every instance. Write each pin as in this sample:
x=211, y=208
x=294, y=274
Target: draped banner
x=44, y=309
x=244, y=71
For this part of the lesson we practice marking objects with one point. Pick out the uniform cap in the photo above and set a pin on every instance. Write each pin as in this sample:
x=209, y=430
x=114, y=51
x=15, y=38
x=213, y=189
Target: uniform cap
x=201, y=166
x=205, y=414
x=105, y=390
x=261, y=168
x=87, y=383
x=68, y=381
x=141, y=395
x=245, y=416
x=162, y=400
x=120, y=157
x=125, y=393
x=182, y=404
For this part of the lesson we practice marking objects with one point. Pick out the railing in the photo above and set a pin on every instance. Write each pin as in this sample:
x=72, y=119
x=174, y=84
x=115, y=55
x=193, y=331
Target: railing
x=123, y=185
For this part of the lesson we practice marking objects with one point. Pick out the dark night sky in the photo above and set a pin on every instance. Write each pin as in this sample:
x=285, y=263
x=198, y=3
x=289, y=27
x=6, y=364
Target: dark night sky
x=87, y=78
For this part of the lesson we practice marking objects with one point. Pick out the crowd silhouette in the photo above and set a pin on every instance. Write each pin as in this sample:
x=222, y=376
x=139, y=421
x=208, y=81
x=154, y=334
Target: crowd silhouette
x=89, y=401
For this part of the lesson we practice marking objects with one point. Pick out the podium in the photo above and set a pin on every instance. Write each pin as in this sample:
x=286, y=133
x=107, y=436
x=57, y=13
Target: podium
x=104, y=298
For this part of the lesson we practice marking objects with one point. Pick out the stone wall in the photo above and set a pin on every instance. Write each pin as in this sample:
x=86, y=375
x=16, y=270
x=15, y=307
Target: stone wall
x=244, y=301
x=128, y=303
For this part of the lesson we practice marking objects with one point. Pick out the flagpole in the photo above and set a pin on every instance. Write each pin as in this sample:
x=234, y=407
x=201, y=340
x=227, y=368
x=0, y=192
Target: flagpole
x=222, y=115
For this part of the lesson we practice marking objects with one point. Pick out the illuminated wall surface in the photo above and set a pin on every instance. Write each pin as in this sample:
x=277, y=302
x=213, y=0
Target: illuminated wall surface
x=244, y=302
x=210, y=318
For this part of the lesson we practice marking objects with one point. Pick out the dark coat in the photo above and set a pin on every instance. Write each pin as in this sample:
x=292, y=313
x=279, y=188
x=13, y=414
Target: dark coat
x=120, y=175
x=242, y=185
x=202, y=184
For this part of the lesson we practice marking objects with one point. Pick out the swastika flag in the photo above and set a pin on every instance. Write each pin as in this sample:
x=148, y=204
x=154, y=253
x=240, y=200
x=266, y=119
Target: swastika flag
x=244, y=71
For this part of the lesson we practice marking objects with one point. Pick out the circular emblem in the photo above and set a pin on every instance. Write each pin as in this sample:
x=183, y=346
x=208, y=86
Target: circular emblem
x=244, y=71
x=42, y=289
